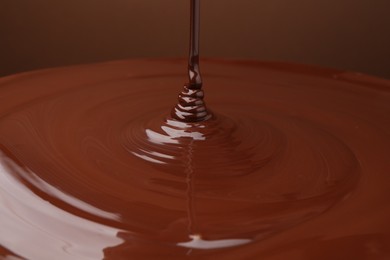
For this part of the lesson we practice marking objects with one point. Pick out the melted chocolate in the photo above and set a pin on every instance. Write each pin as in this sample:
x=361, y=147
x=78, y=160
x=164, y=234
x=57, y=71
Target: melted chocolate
x=293, y=164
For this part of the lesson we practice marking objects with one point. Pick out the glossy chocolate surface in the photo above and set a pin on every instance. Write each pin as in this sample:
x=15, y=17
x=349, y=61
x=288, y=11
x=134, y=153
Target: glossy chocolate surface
x=293, y=165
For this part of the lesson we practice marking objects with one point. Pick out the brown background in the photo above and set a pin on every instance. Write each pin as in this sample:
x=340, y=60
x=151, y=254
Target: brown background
x=346, y=34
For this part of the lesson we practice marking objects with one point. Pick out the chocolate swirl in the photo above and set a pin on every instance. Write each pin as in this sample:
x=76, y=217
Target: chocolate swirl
x=191, y=106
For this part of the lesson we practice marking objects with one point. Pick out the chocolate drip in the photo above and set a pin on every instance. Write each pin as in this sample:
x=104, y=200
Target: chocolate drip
x=191, y=106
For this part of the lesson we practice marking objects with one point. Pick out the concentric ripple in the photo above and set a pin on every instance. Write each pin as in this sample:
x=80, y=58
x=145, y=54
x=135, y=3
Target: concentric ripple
x=219, y=147
x=93, y=166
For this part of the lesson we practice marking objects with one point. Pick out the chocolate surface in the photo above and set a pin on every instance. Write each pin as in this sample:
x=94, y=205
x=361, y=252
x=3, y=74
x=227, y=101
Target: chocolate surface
x=293, y=164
